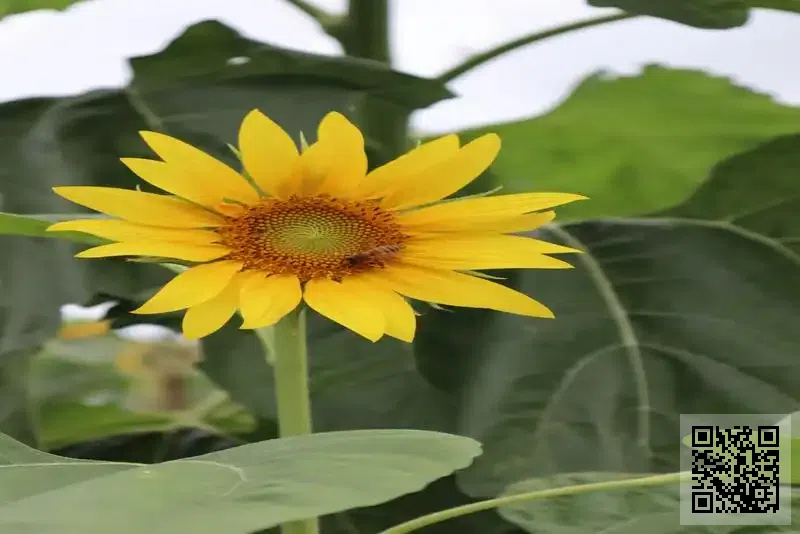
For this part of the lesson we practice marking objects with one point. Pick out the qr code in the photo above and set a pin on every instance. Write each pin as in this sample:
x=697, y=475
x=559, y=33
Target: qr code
x=735, y=470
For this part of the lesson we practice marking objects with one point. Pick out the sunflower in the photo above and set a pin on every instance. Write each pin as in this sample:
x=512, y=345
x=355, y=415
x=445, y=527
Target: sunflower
x=314, y=226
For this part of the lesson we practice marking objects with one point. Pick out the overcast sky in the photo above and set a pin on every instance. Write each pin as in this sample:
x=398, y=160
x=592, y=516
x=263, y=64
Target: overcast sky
x=59, y=53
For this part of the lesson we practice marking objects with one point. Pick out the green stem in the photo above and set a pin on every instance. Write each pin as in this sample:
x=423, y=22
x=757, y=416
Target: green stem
x=290, y=363
x=316, y=13
x=479, y=59
x=364, y=33
x=436, y=517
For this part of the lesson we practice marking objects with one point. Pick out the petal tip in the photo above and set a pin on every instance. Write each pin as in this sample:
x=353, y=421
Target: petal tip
x=253, y=113
x=62, y=190
x=334, y=115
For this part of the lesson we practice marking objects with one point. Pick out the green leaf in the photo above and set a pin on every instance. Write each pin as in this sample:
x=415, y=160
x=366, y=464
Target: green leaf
x=655, y=510
x=635, y=145
x=9, y=7
x=236, y=491
x=224, y=62
x=711, y=14
x=755, y=193
x=36, y=226
x=690, y=311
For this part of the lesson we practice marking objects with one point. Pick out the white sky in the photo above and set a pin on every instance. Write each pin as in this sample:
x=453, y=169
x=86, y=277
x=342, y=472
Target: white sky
x=62, y=53
x=59, y=53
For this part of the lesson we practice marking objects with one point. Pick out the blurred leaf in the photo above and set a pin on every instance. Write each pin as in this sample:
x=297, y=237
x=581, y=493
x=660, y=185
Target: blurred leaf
x=66, y=423
x=635, y=145
x=15, y=410
x=92, y=388
x=783, y=5
x=36, y=226
x=9, y=7
x=236, y=491
x=235, y=361
x=655, y=510
x=690, y=311
x=711, y=14
x=756, y=193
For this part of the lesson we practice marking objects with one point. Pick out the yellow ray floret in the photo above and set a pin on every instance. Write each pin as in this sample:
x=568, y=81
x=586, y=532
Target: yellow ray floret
x=313, y=226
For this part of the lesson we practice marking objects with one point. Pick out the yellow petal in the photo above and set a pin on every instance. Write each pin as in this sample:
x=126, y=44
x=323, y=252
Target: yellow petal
x=519, y=223
x=173, y=179
x=487, y=251
x=346, y=161
x=347, y=305
x=177, y=251
x=264, y=301
x=381, y=180
x=456, y=289
x=269, y=154
x=210, y=174
x=453, y=215
x=401, y=322
x=312, y=169
x=207, y=317
x=139, y=207
x=119, y=230
x=446, y=177
x=191, y=287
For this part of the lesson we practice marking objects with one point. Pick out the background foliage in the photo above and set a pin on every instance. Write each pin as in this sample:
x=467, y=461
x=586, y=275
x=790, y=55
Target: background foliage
x=686, y=301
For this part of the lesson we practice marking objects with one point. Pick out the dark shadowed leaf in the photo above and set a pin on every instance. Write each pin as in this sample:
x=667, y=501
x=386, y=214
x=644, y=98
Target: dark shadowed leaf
x=691, y=311
x=345, y=371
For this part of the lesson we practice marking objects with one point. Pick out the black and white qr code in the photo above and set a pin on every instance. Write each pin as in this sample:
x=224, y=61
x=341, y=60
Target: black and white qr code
x=735, y=470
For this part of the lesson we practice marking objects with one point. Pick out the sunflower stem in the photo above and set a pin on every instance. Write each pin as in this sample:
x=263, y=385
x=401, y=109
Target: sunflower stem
x=290, y=364
x=484, y=57
x=458, y=511
x=364, y=33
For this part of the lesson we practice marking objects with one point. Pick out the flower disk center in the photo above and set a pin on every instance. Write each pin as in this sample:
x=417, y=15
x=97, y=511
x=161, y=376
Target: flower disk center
x=313, y=237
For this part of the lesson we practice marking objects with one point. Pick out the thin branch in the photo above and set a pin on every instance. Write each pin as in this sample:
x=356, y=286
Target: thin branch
x=318, y=14
x=479, y=59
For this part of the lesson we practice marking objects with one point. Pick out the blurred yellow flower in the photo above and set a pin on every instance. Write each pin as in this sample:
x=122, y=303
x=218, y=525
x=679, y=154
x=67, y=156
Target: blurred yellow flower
x=315, y=226
x=83, y=329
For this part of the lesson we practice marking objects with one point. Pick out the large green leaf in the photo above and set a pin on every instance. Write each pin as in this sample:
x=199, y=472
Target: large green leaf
x=236, y=491
x=711, y=14
x=637, y=144
x=691, y=311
